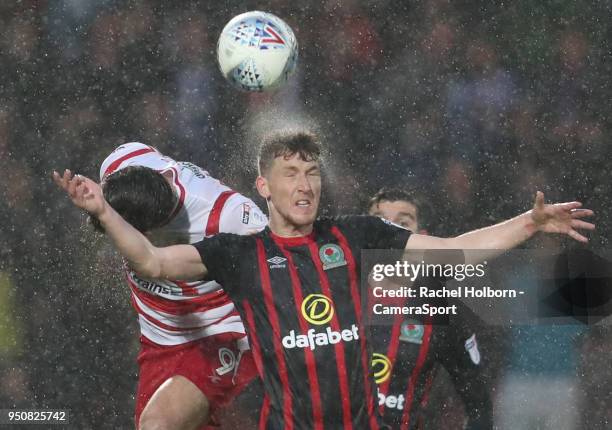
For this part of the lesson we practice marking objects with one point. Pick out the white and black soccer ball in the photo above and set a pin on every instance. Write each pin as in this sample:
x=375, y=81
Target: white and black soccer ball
x=257, y=51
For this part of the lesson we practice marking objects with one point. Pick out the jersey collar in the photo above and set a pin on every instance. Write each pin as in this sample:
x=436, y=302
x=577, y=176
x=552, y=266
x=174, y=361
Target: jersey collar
x=294, y=240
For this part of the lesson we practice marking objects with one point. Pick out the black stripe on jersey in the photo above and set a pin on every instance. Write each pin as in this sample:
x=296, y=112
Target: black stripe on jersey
x=305, y=382
x=358, y=305
x=409, y=381
x=324, y=357
x=249, y=320
x=415, y=377
x=340, y=359
x=277, y=346
x=347, y=313
x=313, y=378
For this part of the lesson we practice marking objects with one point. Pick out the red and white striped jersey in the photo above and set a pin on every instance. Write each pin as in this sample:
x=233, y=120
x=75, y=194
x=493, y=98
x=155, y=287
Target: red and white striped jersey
x=176, y=312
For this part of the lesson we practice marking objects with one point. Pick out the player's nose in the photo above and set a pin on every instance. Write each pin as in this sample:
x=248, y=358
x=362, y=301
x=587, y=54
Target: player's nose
x=304, y=184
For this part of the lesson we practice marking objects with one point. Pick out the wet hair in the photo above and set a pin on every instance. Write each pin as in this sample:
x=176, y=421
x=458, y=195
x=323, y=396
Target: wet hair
x=286, y=144
x=396, y=194
x=142, y=196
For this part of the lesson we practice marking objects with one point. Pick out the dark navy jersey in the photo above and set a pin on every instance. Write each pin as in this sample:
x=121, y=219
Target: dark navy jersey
x=301, y=303
x=407, y=354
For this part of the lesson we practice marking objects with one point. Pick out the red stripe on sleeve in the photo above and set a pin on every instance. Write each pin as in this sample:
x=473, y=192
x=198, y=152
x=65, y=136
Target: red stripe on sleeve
x=278, y=348
x=415, y=375
x=339, y=347
x=115, y=164
x=315, y=393
x=212, y=226
x=353, y=278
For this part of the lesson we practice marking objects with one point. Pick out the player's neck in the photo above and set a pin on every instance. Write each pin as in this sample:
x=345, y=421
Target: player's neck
x=285, y=229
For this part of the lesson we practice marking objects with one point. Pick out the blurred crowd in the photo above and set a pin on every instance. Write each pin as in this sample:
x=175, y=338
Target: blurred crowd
x=476, y=105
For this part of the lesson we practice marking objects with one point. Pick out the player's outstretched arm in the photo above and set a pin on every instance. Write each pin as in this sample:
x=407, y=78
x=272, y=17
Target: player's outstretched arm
x=562, y=218
x=173, y=262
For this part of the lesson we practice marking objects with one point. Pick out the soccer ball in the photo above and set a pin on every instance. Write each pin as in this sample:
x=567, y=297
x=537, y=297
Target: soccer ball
x=257, y=51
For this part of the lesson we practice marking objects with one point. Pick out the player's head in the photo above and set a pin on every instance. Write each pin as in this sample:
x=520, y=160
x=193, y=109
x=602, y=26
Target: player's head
x=399, y=206
x=290, y=178
x=141, y=195
x=135, y=154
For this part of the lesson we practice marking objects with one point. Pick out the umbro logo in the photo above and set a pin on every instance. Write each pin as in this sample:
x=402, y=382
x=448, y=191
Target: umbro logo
x=277, y=262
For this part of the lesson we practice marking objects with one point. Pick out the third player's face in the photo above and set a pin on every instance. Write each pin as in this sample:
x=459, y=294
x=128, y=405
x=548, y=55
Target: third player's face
x=295, y=190
x=400, y=212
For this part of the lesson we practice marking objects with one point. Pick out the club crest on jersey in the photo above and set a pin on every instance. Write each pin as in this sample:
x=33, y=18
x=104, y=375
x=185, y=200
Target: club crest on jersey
x=471, y=346
x=246, y=213
x=277, y=262
x=331, y=256
x=411, y=331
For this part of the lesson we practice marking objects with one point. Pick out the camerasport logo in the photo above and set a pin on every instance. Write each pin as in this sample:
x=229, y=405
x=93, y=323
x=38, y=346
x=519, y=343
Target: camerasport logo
x=381, y=366
x=317, y=309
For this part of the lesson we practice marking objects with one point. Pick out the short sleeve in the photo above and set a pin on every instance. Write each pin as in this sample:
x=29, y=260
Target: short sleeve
x=383, y=234
x=241, y=216
x=460, y=354
x=221, y=254
x=377, y=233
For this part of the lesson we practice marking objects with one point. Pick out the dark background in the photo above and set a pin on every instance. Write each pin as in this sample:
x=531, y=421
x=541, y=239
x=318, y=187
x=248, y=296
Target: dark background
x=476, y=105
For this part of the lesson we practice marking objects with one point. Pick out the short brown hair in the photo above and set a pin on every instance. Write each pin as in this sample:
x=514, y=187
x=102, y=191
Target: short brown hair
x=286, y=144
x=393, y=195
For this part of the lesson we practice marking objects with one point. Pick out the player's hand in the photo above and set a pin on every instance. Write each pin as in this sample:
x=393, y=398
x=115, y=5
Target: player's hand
x=561, y=218
x=84, y=193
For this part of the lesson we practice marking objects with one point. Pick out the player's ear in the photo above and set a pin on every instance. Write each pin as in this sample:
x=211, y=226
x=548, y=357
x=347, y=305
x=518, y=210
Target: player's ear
x=168, y=175
x=262, y=187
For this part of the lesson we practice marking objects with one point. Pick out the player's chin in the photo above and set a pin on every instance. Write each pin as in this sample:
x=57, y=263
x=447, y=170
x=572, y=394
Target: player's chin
x=303, y=218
